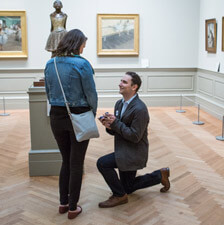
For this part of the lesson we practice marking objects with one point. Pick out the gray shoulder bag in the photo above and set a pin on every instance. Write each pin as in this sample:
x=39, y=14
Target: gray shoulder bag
x=84, y=124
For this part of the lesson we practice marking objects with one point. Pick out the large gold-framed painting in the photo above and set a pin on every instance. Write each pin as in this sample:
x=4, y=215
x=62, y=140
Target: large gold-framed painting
x=117, y=34
x=13, y=35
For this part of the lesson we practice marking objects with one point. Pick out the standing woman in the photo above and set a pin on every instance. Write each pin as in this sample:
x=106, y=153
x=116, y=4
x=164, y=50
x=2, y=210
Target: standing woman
x=76, y=76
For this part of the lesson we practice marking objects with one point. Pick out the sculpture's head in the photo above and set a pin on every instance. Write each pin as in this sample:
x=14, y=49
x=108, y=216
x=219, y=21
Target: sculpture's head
x=57, y=4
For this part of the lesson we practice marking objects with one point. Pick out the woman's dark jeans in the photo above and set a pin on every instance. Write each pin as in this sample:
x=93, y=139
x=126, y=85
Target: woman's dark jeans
x=73, y=155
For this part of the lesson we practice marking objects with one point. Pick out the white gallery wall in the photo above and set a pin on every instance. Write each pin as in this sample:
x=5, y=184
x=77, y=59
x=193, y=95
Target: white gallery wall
x=209, y=82
x=171, y=37
x=211, y=9
x=168, y=31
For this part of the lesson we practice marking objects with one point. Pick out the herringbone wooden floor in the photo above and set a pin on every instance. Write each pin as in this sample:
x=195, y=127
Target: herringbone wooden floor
x=193, y=154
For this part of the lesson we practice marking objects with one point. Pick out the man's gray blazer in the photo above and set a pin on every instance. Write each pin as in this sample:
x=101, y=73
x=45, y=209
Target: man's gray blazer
x=131, y=135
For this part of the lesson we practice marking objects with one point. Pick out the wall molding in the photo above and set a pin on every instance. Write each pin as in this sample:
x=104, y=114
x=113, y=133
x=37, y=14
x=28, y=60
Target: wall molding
x=213, y=108
x=39, y=70
x=209, y=72
x=44, y=162
x=14, y=85
x=207, y=96
x=199, y=85
x=215, y=92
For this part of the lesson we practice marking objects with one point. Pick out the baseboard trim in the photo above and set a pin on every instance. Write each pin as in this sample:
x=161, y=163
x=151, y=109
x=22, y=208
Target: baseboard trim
x=108, y=101
x=44, y=162
x=213, y=108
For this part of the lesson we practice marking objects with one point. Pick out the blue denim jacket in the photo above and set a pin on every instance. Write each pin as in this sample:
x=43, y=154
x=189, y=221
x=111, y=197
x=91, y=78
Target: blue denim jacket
x=76, y=76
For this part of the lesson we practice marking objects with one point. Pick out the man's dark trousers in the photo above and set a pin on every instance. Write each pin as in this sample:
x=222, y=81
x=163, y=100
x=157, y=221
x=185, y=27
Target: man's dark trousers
x=128, y=181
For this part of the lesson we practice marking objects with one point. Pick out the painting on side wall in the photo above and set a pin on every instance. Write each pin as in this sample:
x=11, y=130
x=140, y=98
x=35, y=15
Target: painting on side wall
x=210, y=35
x=13, y=35
x=223, y=34
x=117, y=34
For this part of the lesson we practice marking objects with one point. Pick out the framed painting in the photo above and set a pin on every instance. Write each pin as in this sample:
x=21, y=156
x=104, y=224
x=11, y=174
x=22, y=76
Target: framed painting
x=117, y=34
x=13, y=35
x=223, y=34
x=210, y=35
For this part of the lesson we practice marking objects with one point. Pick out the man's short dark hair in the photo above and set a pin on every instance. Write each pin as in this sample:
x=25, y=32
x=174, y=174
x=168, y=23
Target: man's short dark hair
x=135, y=78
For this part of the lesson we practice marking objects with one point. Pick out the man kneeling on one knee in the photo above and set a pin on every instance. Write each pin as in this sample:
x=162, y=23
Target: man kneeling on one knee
x=129, y=126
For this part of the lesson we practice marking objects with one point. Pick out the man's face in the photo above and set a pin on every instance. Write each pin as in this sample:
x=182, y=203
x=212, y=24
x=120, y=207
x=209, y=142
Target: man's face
x=126, y=87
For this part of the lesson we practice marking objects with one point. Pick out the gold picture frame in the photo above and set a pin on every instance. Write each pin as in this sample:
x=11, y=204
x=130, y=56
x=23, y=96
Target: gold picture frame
x=210, y=35
x=13, y=35
x=117, y=34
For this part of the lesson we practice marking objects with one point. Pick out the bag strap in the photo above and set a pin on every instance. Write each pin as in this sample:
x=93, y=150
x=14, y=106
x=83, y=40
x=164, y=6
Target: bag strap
x=66, y=102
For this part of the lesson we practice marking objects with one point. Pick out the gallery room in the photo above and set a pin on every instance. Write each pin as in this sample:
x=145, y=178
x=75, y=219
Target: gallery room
x=149, y=72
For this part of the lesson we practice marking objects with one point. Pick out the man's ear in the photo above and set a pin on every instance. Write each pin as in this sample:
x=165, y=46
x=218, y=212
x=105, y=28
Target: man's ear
x=134, y=87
